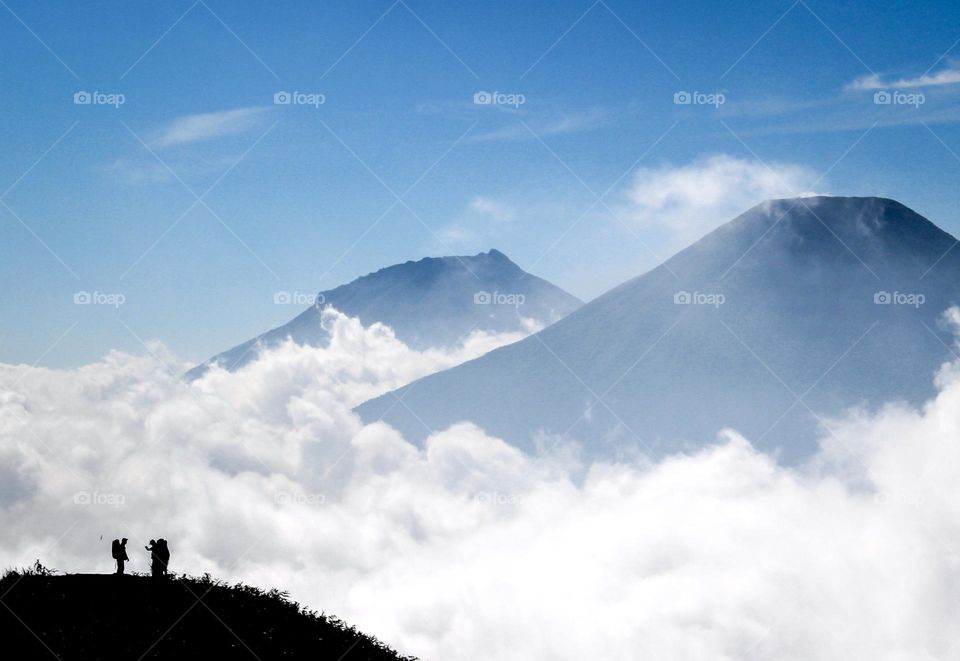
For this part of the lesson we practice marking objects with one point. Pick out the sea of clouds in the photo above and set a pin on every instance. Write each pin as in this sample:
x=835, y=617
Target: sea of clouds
x=466, y=548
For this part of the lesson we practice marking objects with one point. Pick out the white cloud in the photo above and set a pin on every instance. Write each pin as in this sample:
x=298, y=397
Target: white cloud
x=948, y=76
x=207, y=126
x=467, y=548
x=682, y=203
x=385, y=363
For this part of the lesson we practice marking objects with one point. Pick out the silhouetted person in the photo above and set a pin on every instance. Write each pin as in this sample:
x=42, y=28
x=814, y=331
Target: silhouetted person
x=119, y=551
x=154, y=559
x=163, y=556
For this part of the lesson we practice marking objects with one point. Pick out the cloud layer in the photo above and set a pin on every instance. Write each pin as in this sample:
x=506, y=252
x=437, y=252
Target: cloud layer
x=466, y=548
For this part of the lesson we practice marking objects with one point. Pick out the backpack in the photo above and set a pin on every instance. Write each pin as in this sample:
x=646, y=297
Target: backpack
x=115, y=549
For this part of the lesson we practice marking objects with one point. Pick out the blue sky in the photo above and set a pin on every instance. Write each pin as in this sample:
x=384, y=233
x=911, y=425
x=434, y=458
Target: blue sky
x=185, y=189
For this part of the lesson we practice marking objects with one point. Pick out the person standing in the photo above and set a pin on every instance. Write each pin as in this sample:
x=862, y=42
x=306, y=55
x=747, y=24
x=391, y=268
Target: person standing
x=119, y=552
x=154, y=558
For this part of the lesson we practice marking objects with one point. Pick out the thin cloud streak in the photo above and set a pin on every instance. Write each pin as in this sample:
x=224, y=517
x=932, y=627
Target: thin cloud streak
x=206, y=126
x=950, y=76
x=574, y=122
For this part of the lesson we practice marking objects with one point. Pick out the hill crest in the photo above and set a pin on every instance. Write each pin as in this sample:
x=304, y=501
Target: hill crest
x=107, y=617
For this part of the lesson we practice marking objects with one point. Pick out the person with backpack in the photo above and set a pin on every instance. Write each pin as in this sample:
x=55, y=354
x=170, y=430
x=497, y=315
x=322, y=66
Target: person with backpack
x=119, y=551
x=163, y=556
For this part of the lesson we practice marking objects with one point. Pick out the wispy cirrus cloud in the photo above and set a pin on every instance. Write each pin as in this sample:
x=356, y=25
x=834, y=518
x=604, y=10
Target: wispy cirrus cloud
x=140, y=171
x=570, y=122
x=948, y=76
x=201, y=127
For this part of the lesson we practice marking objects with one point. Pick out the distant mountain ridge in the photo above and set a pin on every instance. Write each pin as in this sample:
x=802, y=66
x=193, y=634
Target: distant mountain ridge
x=432, y=302
x=794, y=310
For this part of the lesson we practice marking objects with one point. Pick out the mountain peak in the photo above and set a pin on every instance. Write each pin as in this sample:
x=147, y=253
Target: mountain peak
x=795, y=299
x=429, y=302
x=873, y=213
x=872, y=232
x=438, y=266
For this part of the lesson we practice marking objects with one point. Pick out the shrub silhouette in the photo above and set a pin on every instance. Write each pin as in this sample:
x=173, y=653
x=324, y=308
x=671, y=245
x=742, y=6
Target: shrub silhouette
x=92, y=616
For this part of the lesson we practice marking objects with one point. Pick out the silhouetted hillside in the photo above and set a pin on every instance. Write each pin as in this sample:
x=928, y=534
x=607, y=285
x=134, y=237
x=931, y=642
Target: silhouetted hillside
x=88, y=616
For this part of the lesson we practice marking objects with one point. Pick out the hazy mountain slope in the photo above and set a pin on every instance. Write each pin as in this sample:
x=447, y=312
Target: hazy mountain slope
x=432, y=302
x=798, y=321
